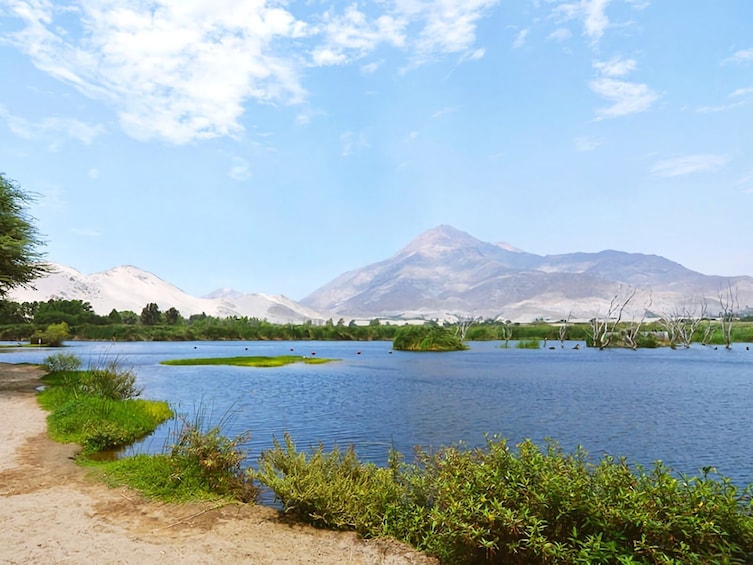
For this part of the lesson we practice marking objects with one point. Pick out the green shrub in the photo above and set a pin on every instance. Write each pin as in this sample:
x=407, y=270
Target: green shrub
x=202, y=455
x=110, y=380
x=528, y=344
x=520, y=506
x=61, y=362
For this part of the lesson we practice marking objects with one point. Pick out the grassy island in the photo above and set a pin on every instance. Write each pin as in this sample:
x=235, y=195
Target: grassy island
x=427, y=338
x=251, y=361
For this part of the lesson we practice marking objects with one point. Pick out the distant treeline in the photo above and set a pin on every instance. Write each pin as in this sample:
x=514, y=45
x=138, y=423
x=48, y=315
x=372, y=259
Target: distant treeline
x=21, y=321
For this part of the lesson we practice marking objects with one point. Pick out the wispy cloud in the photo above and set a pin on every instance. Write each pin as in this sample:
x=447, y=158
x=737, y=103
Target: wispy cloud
x=626, y=97
x=352, y=140
x=520, y=39
x=592, y=13
x=560, y=34
x=740, y=57
x=182, y=71
x=52, y=128
x=689, y=164
x=240, y=169
x=615, y=67
x=742, y=92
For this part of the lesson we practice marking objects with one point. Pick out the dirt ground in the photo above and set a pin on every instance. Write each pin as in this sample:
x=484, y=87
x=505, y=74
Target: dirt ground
x=51, y=512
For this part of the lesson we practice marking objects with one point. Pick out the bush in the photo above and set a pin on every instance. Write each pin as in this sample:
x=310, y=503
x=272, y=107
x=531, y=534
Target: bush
x=528, y=344
x=203, y=455
x=61, y=362
x=426, y=338
x=524, y=506
x=111, y=381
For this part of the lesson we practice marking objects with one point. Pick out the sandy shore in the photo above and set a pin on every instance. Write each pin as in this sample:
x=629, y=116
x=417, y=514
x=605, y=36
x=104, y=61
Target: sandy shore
x=51, y=512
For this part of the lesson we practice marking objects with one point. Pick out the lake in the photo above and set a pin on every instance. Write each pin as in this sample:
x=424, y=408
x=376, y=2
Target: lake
x=689, y=408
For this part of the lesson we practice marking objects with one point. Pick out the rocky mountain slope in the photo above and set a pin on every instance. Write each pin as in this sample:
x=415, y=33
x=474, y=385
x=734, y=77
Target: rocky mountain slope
x=446, y=272
x=130, y=288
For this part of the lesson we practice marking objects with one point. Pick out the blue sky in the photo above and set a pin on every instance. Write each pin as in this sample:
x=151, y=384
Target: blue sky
x=270, y=146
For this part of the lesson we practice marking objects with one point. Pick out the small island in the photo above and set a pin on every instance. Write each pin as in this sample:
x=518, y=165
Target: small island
x=427, y=338
x=251, y=361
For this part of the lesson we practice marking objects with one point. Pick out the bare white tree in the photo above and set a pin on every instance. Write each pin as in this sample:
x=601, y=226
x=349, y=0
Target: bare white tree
x=564, y=324
x=631, y=332
x=682, y=322
x=603, y=327
x=464, y=322
x=728, y=305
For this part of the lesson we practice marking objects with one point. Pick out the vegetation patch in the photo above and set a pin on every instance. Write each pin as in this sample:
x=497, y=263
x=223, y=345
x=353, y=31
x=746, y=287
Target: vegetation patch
x=527, y=505
x=96, y=408
x=427, y=338
x=251, y=361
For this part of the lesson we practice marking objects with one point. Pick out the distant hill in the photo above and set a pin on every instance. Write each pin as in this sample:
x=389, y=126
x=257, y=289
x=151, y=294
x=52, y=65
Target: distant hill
x=445, y=271
x=130, y=288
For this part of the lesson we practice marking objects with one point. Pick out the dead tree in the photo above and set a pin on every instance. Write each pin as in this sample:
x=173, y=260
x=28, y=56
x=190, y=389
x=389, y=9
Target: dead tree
x=563, y=328
x=631, y=332
x=603, y=327
x=728, y=305
x=682, y=323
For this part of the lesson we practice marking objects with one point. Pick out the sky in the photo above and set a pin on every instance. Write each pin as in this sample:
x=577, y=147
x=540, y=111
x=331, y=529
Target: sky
x=270, y=146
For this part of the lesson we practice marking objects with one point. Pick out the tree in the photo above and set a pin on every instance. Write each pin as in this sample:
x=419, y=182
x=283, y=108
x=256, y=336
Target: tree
x=602, y=327
x=20, y=260
x=172, y=316
x=728, y=305
x=151, y=314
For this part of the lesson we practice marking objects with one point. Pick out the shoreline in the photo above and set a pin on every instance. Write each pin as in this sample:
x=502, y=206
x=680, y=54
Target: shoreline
x=53, y=511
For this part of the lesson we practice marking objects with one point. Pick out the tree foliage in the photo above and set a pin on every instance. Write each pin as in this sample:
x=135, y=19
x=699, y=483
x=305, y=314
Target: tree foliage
x=20, y=258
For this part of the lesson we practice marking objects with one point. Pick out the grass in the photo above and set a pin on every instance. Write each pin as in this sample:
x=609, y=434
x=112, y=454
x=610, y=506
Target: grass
x=251, y=361
x=96, y=423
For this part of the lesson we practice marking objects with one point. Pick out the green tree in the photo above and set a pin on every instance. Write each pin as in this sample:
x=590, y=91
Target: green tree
x=20, y=259
x=114, y=317
x=53, y=336
x=151, y=314
x=172, y=316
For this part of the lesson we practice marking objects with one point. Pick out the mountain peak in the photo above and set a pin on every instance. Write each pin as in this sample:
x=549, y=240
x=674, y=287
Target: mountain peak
x=440, y=238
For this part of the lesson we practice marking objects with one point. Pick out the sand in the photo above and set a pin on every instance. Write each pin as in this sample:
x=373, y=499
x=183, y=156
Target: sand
x=51, y=511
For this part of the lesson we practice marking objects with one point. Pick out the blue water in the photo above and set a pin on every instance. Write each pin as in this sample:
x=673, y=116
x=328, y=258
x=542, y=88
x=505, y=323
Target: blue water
x=688, y=408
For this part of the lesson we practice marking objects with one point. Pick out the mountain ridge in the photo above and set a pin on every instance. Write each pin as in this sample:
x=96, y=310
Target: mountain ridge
x=440, y=274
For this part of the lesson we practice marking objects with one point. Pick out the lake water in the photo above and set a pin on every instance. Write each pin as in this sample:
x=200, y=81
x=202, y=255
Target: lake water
x=689, y=408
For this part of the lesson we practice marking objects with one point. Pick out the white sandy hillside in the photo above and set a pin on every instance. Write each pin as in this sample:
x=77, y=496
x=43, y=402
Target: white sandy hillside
x=131, y=288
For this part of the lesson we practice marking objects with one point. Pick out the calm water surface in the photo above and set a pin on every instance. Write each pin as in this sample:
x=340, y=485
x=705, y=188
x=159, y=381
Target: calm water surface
x=688, y=408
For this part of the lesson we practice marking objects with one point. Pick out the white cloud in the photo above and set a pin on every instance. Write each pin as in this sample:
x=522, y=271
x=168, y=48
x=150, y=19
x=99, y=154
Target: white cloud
x=688, y=164
x=448, y=26
x=615, y=67
x=52, y=128
x=178, y=71
x=739, y=57
x=351, y=140
x=591, y=12
x=520, y=39
x=742, y=92
x=352, y=36
x=182, y=71
x=626, y=97
x=560, y=34
x=239, y=170
x=371, y=68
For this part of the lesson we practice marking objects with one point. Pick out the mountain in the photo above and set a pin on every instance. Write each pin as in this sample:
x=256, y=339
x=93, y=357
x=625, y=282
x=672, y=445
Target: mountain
x=130, y=288
x=446, y=272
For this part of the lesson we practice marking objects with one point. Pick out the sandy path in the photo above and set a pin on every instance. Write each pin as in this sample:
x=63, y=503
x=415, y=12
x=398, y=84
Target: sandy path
x=50, y=512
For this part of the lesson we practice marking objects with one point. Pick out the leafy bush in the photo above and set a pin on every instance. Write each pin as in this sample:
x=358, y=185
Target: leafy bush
x=61, y=362
x=523, y=506
x=528, y=344
x=203, y=455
